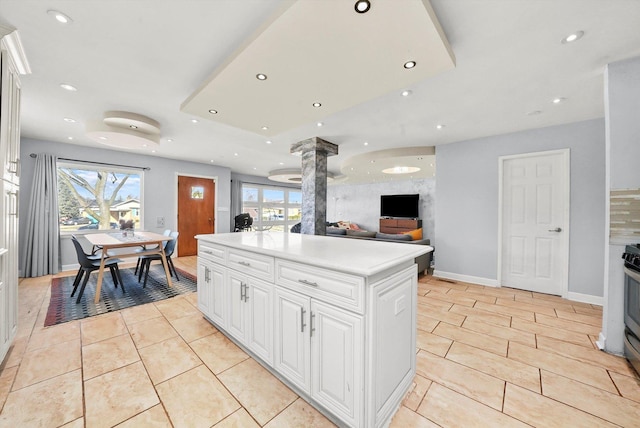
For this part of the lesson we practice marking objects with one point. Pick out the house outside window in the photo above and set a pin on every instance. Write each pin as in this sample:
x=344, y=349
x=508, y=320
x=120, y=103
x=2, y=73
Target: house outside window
x=98, y=197
x=277, y=208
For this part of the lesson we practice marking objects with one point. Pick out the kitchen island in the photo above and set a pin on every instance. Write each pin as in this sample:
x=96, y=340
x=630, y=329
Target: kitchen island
x=335, y=320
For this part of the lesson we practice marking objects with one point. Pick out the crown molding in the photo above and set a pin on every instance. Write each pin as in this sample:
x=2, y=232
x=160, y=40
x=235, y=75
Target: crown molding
x=12, y=43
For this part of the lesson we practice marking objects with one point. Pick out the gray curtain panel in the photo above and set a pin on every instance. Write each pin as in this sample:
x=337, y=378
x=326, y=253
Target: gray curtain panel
x=42, y=243
x=236, y=201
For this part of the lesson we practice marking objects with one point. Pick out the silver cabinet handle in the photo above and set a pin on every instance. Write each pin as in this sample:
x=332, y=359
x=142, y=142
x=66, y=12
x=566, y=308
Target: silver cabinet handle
x=312, y=329
x=557, y=229
x=246, y=295
x=302, y=324
x=304, y=281
x=206, y=274
x=244, y=263
x=242, y=291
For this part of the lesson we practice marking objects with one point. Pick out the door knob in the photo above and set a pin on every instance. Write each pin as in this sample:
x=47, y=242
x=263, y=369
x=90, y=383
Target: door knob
x=557, y=229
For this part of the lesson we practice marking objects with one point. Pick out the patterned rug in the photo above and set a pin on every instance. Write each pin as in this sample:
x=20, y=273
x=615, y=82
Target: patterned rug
x=63, y=307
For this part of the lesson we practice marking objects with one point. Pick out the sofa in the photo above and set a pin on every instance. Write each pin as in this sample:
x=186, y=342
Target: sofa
x=423, y=261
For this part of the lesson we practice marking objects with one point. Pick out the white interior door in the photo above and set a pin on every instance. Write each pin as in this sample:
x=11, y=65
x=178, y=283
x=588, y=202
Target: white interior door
x=535, y=222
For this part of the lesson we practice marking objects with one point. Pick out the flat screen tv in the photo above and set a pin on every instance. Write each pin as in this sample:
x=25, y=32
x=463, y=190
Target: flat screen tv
x=401, y=206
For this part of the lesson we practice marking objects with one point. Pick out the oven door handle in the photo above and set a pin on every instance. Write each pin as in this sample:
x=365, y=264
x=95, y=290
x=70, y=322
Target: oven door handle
x=634, y=275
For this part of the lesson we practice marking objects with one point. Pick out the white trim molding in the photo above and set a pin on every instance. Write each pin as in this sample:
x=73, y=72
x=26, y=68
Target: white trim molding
x=12, y=43
x=466, y=278
x=585, y=298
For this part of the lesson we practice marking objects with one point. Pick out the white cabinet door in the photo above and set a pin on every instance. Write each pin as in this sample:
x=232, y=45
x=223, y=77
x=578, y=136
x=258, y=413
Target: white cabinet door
x=260, y=319
x=10, y=120
x=204, y=288
x=337, y=361
x=292, y=354
x=211, y=291
x=236, y=307
x=5, y=343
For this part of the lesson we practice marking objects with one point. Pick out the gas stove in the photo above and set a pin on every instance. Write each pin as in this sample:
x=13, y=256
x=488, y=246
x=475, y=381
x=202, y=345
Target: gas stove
x=631, y=257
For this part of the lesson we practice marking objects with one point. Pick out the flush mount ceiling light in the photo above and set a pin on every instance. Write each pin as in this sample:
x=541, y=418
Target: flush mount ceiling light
x=572, y=37
x=406, y=93
x=558, y=100
x=320, y=124
x=261, y=76
x=194, y=120
x=69, y=120
x=291, y=175
x=212, y=111
x=59, y=16
x=317, y=104
x=68, y=87
x=268, y=141
x=362, y=6
x=125, y=130
x=409, y=65
x=401, y=170
x=440, y=126
x=264, y=128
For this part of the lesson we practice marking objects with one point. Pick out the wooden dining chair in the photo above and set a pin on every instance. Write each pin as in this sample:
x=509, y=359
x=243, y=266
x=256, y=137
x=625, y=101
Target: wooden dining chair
x=145, y=263
x=89, y=263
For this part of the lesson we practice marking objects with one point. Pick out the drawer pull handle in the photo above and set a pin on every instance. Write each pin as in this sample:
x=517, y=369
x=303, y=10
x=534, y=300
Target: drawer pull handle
x=208, y=252
x=304, y=281
x=247, y=264
x=302, y=324
x=312, y=329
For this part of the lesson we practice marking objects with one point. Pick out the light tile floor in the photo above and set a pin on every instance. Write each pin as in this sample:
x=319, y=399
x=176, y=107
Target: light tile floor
x=486, y=357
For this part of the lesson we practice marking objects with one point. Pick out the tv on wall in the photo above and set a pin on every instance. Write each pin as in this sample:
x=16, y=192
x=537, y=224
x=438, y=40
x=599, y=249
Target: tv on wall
x=399, y=206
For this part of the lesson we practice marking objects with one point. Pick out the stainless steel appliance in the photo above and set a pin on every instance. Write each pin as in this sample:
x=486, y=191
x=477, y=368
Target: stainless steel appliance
x=631, y=258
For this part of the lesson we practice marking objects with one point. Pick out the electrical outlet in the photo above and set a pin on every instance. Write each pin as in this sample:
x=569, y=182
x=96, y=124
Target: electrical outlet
x=159, y=221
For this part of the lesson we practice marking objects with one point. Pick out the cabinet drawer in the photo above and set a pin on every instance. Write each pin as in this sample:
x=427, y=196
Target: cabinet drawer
x=212, y=252
x=340, y=289
x=254, y=264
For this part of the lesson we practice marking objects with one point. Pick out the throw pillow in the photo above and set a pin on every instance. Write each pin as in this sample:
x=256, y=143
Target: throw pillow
x=393, y=236
x=361, y=233
x=415, y=234
x=344, y=224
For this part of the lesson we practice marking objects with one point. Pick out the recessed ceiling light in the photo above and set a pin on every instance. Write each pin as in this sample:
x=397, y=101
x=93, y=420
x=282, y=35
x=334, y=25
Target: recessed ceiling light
x=212, y=111
x=261, y=76
x=317, y=104
x=320, y=124
x=68, y=119
x=169, y=140
x=280, y=163
x=430, y=164
x=406, y=93
x=373, y=161
x=68, y=87
x=401, y=170
x=69, y=138
x=133, y=127
x=144, y=145
x=194, y=120
x=572, y=37
x=153, y=151
x=362, y=6
x=268, y=141
x=440, y=126
x=211, y=161
x=409, y=64
x=235, y=154
x=264, y=128
x=365, y=143
x=558, y=100
x=60, y=17
x=102, y=138
x=254, y=168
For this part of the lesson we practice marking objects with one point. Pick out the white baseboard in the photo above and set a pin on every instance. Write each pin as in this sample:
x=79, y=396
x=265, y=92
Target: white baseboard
x=466, y=278
x=601, y=342
x=585, y=298
x=74, y=266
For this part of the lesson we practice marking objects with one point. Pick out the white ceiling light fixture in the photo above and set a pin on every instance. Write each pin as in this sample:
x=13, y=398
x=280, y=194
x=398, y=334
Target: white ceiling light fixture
x=558, y=100
x=59, y=16
x=125, y=130
x=317, y=105
x=572, y=37
x=409, y=65
x=320, y=124
x=291, y=175
x=406, y=93
x=194, y=120
x=362, y=6
x=213, y=111
x=264, y=128
x=389, y=164
x=401, y=170
x=261, y=76
x=268, y=141
x=440, y=126
x=68, y=87
x=69, y=120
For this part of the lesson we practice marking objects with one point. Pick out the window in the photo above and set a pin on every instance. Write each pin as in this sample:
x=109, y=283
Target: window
x=98, y=197
x=276, y=207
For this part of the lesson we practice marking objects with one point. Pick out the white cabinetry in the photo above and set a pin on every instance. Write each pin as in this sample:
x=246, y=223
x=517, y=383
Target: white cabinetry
x=12, y=62
x=211, y=299
x=334, y=319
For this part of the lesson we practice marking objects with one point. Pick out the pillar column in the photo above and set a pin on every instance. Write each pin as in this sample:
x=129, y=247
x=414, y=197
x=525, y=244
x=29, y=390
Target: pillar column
x=314, y=152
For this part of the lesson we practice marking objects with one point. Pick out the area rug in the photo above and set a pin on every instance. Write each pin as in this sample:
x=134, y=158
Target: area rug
x=63, y=307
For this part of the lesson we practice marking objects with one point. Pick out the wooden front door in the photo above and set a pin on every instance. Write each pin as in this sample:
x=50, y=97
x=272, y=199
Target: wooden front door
x=196, y=211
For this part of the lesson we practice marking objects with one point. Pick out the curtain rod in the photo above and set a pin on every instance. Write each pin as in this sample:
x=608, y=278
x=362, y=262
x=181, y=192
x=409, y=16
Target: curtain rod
x=144, y=168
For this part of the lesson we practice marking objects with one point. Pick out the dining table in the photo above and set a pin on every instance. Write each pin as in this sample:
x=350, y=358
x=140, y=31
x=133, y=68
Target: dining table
x=146, y=243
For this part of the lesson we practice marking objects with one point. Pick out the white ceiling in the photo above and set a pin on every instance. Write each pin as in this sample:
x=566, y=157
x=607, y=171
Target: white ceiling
x=149, y=56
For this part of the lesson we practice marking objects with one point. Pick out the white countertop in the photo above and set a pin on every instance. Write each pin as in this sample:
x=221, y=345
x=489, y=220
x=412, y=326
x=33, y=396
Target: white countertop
x=357, y=256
